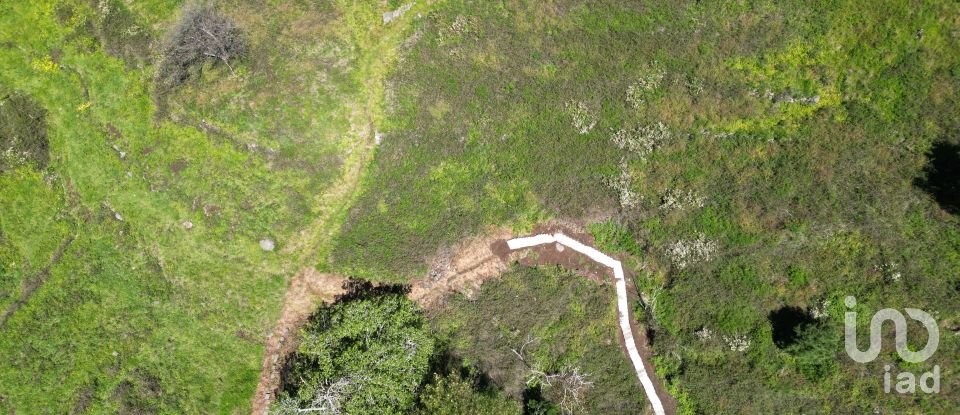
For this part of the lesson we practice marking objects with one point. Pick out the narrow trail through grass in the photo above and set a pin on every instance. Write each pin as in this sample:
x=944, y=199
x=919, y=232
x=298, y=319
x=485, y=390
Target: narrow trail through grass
x=380, y=46
x=30, y=285
x=312, y=244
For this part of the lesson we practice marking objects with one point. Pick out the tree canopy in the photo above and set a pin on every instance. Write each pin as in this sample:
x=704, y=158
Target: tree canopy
x=361, y=355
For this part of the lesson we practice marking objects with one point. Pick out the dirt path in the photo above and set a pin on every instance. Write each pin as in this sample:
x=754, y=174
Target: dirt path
x=381, y=46
x=31, y=285
x=461, y=269
x=464, y=268
x=307, y=290
x=312, y=244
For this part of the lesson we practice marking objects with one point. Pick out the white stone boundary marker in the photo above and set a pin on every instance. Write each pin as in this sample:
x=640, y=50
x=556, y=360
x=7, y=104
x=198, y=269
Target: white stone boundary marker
x=622, y=305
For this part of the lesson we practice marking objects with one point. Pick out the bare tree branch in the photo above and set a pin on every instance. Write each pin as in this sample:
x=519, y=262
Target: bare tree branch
x=572, y=383
x=200, y=34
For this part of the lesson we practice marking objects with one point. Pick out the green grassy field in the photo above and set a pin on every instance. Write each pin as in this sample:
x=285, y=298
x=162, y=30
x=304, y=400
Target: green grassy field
x=140, y=312
x=569, y=322
x=745, y=157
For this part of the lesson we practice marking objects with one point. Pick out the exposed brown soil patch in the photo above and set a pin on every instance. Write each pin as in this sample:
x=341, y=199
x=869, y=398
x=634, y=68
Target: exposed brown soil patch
x=307, y=289
x=462, y=269
x=177, y=166
x=557, y=254
x=83, y=400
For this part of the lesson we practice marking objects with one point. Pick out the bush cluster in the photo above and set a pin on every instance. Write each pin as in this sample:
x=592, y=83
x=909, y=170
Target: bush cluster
x=201, y=35
x=23, y=133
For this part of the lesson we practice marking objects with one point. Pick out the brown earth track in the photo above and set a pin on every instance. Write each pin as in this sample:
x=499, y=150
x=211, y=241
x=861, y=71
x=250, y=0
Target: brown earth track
x=459, y=269
x=558, y=254
x=307, y=290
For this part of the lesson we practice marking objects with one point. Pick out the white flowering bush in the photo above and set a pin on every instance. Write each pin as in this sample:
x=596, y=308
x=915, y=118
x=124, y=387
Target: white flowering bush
x=738, y=342
x=584, y=119
x=704, y=334
x=688, y=252
x=621, y=185
x=13, y=158
x=821, y=309
x=640, y=91
x=890, y=271
x=694, y=85
x=642, y=140
x=679, y=200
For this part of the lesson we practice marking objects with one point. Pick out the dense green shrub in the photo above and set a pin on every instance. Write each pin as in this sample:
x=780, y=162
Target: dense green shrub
x=23, y=132
x=364, y=354
x=815, y=350
x=454, y=395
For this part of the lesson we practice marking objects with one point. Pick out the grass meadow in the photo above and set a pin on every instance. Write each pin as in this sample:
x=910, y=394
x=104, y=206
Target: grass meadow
x=561, y=321
x=132, y=276
x=746, y=158
x=753, y=162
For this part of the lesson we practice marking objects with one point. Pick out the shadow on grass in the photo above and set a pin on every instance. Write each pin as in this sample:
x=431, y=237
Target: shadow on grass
x=942, y=179
x=787, y=322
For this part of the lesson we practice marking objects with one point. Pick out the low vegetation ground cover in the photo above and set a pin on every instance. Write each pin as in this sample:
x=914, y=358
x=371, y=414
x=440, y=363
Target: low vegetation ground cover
x=132, y=277
x=752, y=162
x=745, y=158
x=545, y=320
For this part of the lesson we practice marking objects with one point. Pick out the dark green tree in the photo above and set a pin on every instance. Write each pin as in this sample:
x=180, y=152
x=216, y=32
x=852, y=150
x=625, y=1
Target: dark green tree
x=456, y=395
x=815, y=350
x=362, y=355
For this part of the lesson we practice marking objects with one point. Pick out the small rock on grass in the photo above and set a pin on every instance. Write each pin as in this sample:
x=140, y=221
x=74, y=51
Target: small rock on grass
x=267, y=244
